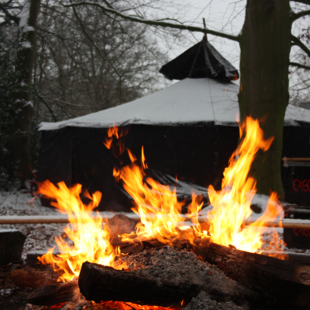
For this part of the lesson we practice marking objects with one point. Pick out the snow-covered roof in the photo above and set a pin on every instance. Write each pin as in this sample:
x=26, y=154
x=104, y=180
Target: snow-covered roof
x=189, y=101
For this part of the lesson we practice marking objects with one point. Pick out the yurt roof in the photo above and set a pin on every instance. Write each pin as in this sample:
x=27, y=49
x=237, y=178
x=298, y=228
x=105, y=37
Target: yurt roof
x=188, y=102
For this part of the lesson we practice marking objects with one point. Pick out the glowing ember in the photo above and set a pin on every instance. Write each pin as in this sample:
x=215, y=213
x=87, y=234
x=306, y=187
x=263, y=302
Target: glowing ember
x=112, y=305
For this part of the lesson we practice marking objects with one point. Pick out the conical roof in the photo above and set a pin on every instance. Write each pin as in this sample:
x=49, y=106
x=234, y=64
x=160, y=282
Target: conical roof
x=200, y=61
x=188, y=102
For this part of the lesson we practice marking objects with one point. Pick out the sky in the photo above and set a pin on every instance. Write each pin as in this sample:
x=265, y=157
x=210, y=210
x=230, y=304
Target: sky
x=224, y=16
x=228, y=16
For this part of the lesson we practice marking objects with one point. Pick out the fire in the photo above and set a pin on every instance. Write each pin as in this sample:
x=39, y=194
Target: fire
x=117, y=148
x=112, y=305
x=231, y=205
x=156, y=204
x=160, y=211
x=90, y=240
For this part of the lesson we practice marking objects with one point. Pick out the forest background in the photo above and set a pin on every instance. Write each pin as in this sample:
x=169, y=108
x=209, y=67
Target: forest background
x=87, y=60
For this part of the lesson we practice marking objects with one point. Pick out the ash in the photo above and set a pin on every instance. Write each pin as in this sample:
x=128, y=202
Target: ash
x=184, y=269
x=203, y=302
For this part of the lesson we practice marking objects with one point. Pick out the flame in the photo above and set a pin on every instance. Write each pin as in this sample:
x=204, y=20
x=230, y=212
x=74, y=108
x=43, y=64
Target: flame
x=113, y=131
x=90, y=240
x=231, y=205
x=161, y=212
x=156, y=204
x=119, y=147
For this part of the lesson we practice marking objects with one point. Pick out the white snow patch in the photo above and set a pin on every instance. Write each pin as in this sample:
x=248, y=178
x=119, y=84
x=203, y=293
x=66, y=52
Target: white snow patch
x=28, y=103
x=24, y=14
x=27, y=28
x=40, y=237
x=7, y=230
x=25, y=44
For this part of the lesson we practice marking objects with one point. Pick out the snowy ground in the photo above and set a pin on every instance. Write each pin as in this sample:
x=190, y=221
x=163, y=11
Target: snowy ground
x=40, y=237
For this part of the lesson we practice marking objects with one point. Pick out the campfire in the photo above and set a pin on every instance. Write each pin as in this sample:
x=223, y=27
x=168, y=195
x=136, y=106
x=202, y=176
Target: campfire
x=97, y=253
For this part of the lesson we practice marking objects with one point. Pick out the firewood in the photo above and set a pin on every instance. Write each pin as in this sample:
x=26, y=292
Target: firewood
x=53, y=294
x=102, y=283
x=30, y=278
x=11, y=245
x=285, y=282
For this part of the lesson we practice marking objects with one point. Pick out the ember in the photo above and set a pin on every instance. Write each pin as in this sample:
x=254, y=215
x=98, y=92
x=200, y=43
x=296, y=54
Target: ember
x=112, y=305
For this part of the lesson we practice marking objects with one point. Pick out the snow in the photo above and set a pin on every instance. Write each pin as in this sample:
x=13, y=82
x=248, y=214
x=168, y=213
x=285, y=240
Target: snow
x=25, y=44
x=23, y=25
x=190, y=101
x=28, y=103
x=40, y=237
x=7, y=230
x=186, y=102
x=24, y=15
x=27, y=28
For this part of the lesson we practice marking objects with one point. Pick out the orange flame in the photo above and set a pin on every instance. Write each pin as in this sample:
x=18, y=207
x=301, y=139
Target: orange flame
x=156, y=204
x=113, y=305
x=160, y=211
x=114, y=132
x=231, y=205
x=90, y=240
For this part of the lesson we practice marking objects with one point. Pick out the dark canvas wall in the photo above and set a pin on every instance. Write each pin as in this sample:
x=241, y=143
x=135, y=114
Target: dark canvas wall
x=55, y=158
x=198, y=154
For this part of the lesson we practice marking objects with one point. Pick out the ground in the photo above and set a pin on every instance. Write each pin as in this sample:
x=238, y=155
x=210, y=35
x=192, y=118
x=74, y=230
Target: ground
x=40, y=237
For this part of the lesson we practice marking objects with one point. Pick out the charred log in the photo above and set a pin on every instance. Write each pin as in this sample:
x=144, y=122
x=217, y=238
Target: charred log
x=101, y=283
x=30, y=277
x=284, y=282
x=53, y=294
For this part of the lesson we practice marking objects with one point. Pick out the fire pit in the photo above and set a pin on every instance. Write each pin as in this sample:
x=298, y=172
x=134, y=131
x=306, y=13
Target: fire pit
x=164, y=261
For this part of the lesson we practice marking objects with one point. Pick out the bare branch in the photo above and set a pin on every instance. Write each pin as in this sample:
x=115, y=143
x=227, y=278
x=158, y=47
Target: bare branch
x=302, y=1
x=92, y=42
x=8, y=14
x=156, y=22
x=295, y=16
x=300, y=66
x=296, y=41
x=46, y=104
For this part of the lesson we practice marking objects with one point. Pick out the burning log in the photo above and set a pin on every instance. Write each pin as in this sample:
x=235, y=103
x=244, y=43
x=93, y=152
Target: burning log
x=102, y=283
x=11, y=245
x=285, y=282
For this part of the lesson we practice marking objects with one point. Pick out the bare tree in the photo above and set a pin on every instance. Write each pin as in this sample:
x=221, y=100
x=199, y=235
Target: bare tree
x=22, y=98
x=265, y=44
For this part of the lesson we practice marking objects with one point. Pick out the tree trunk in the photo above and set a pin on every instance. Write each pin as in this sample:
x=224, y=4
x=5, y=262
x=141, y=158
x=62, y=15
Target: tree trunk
x=23, y=97
x=265, y=47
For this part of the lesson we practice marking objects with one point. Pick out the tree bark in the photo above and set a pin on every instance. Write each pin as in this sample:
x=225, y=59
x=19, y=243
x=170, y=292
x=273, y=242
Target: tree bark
x=265, y=47
x=23, y=97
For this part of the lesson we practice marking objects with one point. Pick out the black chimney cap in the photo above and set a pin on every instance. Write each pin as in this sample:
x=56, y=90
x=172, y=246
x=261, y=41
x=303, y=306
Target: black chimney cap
x=199, y=61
